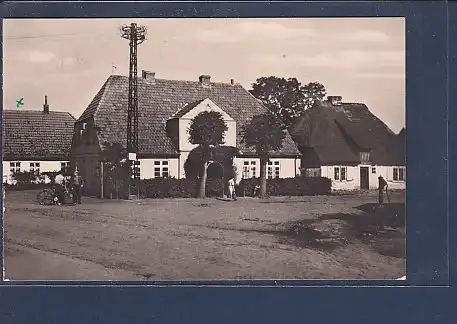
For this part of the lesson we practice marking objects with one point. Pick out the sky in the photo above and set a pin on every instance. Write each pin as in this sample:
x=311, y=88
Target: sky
x=360, y=59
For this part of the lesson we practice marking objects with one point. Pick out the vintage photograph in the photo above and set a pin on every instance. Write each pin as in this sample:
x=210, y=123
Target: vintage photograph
x=204, y=149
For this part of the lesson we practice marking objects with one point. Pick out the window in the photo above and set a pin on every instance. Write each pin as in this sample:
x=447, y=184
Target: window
x=399, y=174
x=64, y=165
x=246, y=170
x=365, y=156
x=311, y=172
x=15, y=167
x=249, y=169
x=35, y=167
x=340, y=173
x=343, y=174
x=161, y=169
x=273, y=169
x=135, y=169
x=373, y=170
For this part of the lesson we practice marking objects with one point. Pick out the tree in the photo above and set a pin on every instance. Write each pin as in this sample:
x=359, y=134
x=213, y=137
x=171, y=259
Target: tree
x=264, y=133
x=206, y=129
x=287, y=98
x=116, y=166
x=314, y=91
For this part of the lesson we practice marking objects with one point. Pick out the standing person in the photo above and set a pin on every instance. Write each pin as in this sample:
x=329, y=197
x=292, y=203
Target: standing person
x=232, y=192
x=59, y=183
x=381, y=185
x=77, y=185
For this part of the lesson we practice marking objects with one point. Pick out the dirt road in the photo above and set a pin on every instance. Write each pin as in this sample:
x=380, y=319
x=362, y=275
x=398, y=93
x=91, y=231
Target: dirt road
x=186, y=239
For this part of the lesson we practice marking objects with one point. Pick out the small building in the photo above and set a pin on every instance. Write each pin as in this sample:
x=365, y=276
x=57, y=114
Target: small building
x=36, y=140
x=166, y=108
x=348, y=144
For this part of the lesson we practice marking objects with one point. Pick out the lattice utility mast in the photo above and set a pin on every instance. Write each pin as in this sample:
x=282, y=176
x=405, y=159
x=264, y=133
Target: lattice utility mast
x=136, y=35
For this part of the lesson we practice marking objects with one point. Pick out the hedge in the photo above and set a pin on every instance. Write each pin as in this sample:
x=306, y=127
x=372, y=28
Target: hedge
x=178, y=188
x=298, y=186
x=185, y=188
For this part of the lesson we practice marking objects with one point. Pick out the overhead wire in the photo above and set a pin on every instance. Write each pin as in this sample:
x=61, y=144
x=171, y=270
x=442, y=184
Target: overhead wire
x=19, y=37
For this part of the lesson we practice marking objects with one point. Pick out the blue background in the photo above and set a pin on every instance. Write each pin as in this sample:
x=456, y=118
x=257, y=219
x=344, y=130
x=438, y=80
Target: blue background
x=429, y=259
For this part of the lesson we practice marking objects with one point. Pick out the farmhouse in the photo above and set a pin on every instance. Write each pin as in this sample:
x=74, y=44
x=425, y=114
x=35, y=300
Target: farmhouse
x=36, y=140
x=348, y=144
x=166, y=108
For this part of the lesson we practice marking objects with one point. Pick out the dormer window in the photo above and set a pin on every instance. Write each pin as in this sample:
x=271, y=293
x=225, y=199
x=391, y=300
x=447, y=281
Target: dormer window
x=365, y=157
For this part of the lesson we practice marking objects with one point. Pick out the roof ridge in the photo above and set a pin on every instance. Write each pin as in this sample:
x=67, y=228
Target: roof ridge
x=105, y=85
x=180, y=80
x=33, y=110
x=354, y=103
x=69, y=113
x=96, y=100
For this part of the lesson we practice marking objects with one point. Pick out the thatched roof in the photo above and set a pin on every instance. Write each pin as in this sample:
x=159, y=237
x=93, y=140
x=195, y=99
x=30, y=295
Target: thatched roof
x=160, y=100
x=333, y=134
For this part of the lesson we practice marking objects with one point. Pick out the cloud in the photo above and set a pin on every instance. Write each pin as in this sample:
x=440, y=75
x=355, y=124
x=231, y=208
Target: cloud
x=345, y=59
x=366, y=35
x=40, y=56
x=386, y=76
x=255, y=30
x=252, y=30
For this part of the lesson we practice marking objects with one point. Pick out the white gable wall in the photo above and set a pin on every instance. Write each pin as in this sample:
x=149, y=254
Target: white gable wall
x=288, y=167
x=205, y=105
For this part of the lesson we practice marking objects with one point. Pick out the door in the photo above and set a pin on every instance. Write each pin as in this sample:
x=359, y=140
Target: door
x=364, y=178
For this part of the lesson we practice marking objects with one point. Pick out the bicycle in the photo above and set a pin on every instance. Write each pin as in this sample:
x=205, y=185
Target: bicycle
x=48, y=197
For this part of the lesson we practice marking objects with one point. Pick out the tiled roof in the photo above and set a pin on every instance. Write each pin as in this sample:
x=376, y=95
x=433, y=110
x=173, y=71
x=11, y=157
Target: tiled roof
x=159, y=100
x=34, y=135
x=338, y=133
x=187, y=108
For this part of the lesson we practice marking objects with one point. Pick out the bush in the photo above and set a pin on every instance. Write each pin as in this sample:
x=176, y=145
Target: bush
x=298, y=186
x=27, y=177
x=186, y=188
x=178, y=188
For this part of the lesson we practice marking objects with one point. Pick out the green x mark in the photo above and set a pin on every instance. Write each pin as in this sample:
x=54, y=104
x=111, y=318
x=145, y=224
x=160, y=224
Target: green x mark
x=19, y=102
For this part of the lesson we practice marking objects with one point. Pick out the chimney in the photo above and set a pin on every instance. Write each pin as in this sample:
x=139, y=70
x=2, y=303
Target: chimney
x=46, y=106
x=232, y=81
x=335, y=100
x=147, y=75
x=205, y=80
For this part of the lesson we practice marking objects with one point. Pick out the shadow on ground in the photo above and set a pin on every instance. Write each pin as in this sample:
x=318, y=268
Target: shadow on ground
x=383, y=230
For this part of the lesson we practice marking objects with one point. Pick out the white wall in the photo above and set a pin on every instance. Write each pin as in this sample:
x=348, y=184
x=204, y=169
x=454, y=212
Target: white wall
x=288, y=167
x=182, y=159
x=353, y=177
x=147, y=167
x=45, y=166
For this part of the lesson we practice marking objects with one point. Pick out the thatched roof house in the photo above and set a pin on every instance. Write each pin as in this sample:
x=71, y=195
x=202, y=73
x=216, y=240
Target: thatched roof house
x=335, y=135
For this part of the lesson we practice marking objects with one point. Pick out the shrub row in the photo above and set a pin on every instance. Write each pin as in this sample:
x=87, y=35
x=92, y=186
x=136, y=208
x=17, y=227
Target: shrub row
x=178, y=188
x=298, y=186
x=185, y=188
